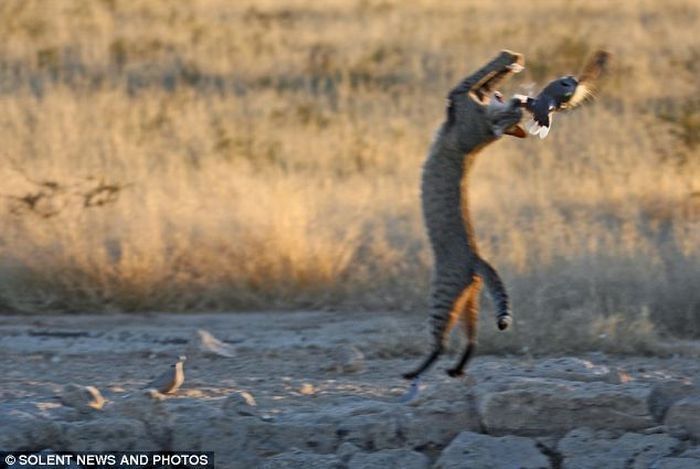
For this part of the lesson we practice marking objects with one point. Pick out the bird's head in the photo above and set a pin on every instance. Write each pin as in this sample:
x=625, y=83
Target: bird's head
x=564, y=88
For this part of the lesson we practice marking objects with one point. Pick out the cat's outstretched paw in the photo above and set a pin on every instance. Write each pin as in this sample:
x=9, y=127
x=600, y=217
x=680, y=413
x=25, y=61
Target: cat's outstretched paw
x=515, y=67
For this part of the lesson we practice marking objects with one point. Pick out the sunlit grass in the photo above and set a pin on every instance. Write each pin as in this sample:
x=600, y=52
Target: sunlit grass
x=267, y=155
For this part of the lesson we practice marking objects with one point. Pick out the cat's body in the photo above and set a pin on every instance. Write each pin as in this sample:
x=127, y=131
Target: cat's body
x=472, y=123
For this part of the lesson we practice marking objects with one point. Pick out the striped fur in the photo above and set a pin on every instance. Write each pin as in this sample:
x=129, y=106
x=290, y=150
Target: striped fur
x=459, y=272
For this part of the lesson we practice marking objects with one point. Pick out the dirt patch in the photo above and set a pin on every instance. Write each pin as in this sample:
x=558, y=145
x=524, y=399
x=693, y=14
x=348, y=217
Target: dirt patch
x=283, y=388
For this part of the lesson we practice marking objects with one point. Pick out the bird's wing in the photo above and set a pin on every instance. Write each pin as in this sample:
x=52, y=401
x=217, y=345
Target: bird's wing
x=541, y=109
x=163, y=382
x=587, y=80
x=544, y=130
x=540, y=130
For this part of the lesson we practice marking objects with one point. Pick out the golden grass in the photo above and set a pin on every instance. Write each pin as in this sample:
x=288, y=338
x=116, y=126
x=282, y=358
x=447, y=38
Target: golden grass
x=267, y=154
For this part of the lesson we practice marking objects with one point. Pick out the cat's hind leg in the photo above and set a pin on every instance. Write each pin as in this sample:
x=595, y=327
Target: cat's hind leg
x=470, y=319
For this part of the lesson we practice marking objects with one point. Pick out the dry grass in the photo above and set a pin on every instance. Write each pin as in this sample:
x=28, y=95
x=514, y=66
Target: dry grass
x=266, y=155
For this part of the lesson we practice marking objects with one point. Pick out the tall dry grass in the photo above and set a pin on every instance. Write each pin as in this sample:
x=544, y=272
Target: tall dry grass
x=265, y=154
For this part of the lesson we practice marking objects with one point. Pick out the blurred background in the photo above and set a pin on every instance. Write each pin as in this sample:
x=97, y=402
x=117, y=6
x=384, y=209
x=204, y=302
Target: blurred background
x=216, y=155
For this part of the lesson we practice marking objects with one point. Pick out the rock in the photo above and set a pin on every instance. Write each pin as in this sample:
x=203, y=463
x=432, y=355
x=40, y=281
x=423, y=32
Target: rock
x=148, y=407
x=347, y=359
x=654, y=430
x=21, y=430
x=546, y=406
x=301, y=459
x=664, y=394
x=693, y=452
x=201, y=427
x=435, y=428
x=584, y=448
x=82, y=398
x=389, y=459
x=346, y=451
x=444, y=410
x=240, y=403
x=685, y=414
x=573, y=369
x=203, y=343
x=108, y=434
x=474, y=451
x=676, y=463
x=300, y=431
x=370, y=425
x=195, y=424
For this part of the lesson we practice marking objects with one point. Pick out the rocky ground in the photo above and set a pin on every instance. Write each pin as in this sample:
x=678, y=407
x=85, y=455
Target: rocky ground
x=323, y=390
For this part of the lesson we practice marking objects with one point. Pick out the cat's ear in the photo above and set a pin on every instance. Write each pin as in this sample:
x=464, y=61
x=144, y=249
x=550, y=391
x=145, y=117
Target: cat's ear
x=517, y=131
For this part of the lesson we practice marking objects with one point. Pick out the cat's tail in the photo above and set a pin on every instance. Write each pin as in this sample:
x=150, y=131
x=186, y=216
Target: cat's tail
x=497, y=290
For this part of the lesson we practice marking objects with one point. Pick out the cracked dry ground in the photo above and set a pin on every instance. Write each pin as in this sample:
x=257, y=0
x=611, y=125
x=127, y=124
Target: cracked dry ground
x=321, y=390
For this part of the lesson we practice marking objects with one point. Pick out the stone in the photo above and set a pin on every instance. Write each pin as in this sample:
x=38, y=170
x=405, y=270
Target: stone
x=203, y=343
x=20, y=430
x=82, y=398
x=301, y=459
x=573, y=369
x=676, y=463
x=347, y=359
x=196, y=426
x=476, y=451
x=149, y=407
x=240, y=403
x=389, y=459
x=685, y=414
x=346, y=451
x=108, y=434
x=547, y=406
x=584, y=448
x=444, y=412
x=304, y=433
x=664, y=394
x=371, y=425
x=314, y=436
x=693, y=452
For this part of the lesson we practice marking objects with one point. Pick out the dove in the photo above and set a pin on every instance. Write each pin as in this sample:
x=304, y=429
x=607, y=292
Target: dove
x=566, y=92
x=171, y=380
x=82, y=398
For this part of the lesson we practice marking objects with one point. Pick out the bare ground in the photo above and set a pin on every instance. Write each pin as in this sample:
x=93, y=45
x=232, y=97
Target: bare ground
x=304, y=368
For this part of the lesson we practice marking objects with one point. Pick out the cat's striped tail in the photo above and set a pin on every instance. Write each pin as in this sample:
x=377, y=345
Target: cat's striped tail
x=497, y=290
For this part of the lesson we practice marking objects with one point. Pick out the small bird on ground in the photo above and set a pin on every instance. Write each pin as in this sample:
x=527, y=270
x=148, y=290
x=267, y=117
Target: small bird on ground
x=564, y=93
x=171, y=380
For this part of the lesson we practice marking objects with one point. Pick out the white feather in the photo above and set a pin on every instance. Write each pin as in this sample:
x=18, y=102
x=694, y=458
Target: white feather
x=533, y=127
